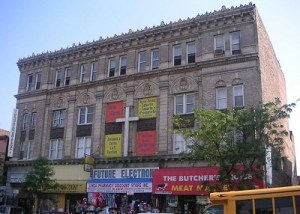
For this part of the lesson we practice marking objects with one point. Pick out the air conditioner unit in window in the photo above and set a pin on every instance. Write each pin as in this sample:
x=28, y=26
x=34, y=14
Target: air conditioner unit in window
x=219, y=52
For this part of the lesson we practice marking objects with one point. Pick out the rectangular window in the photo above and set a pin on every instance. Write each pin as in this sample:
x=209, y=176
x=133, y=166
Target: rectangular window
x=191, y=52
x=33, y=120
x=59, y=118
x=235, y=42
x=221, y=98
x=142, y=61
x=180, y=144
x=58, y=78
x=184, y=103
x=154, y=59
x=94, y=69
x=244, y=206
x=111, y=67
x=83, y=71
x=38, y=77
x=24, y=121
x=21, y=150
x=30, y=150
x=284, y=205
x=67, y=76
x=263, y=205
x=29, y=82
x=85, y=115
x=177, y=55
x=123, y=65
x=238, y=96
x=56, y=149
x=83, y=147
x=219, y=44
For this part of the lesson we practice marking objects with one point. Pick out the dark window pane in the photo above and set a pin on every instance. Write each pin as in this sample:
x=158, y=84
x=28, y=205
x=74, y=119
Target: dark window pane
x=284, y=205
x=244, y=207
x=263, y=206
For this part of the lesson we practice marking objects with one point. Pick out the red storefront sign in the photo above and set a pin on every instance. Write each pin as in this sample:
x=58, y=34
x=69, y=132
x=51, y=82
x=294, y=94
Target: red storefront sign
x=113, y=111
x=185, y=181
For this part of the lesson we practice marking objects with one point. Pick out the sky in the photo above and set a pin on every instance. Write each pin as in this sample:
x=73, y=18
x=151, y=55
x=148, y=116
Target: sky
x=37, y=26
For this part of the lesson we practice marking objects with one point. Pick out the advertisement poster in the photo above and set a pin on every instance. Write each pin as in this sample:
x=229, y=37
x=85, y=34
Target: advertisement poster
x=114, y=111
x=146, y=143
x=113, y=146
x=147, y=107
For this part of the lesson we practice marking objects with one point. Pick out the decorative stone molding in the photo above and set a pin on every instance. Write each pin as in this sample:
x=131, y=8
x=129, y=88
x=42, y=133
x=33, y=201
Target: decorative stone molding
x=114, y=94
x=58, y=102
x=86, y=98
x=183, y=84
x=237, y=81
x=147, y=89
x=220, y=83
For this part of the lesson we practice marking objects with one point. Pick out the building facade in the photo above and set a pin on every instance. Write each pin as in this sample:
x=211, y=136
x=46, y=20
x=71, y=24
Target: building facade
x=113, y=100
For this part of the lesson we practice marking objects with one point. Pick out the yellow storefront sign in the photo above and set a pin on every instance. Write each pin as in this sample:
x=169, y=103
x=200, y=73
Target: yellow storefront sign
x=147, y=107
x=113, y=146
x=70, y=187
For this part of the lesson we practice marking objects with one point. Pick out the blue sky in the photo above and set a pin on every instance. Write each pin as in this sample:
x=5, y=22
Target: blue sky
x=35, y=26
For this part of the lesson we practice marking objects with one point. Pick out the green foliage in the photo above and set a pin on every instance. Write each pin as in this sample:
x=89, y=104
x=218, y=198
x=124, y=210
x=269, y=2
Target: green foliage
x=38, y=180
x=236, y=141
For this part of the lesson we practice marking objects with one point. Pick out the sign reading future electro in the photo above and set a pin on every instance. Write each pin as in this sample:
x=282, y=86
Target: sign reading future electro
x=123, y=173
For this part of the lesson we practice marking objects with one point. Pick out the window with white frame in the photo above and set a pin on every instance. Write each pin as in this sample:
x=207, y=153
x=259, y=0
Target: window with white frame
x=177, y=55
x=29, y=82
x=58, y=78
x=83, y=72
x=85, y=115
x=111, y=67
x=38, y=77
x=30, y=150
x=219, y=44
x=235, y=39
x=191, y=52
x=154, y=59
x=56, y=149
x=83, y=147
x=123, y=65
x=33, y=120
x=21, y=150
x=238, y=96
x=184, y=103
x=221, y=98
x=142, y=61
x=59, y=118
x=180, y=144
x=24, y=121
x=67, y=75
x=94, y=68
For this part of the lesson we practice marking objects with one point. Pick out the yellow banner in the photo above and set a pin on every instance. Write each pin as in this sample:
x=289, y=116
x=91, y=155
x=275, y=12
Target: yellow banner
x=147, y=107
x=113, y=146
x=70, y=187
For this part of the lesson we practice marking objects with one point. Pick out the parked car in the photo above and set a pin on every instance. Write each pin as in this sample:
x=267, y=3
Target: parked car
x=10, y=209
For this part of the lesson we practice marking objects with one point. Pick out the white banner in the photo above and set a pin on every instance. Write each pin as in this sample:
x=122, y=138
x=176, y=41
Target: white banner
x=10, y=149
x=146, y=172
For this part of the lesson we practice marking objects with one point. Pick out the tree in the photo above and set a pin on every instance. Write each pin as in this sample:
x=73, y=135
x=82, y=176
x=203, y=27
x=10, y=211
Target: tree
x=38, y=180
x=236, y=140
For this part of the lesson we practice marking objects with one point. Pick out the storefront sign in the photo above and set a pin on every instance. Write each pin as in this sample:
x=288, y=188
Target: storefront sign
x=147, y=107
x=17, y=177
x=185, y=181
x=126, y=173
x=146, y=143
x=120, y=185
x=113, y=145
x=70, y=187
x=113, y=111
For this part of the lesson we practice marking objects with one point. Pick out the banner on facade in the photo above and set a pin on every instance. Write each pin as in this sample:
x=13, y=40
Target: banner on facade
x=113, y=146
x=113, y=111
x=120, y=185
x=147, y=107
x=146, y=143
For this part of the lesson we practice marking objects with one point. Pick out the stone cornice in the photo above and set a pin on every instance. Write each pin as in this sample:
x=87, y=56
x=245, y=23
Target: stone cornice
x=134, y=39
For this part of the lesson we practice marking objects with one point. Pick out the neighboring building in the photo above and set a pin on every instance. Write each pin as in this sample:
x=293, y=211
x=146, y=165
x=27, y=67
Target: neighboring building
x=114, y=99
x=4, y=139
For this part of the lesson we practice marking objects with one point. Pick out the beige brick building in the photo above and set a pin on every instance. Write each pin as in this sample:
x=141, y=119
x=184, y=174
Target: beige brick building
x=70, y=101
